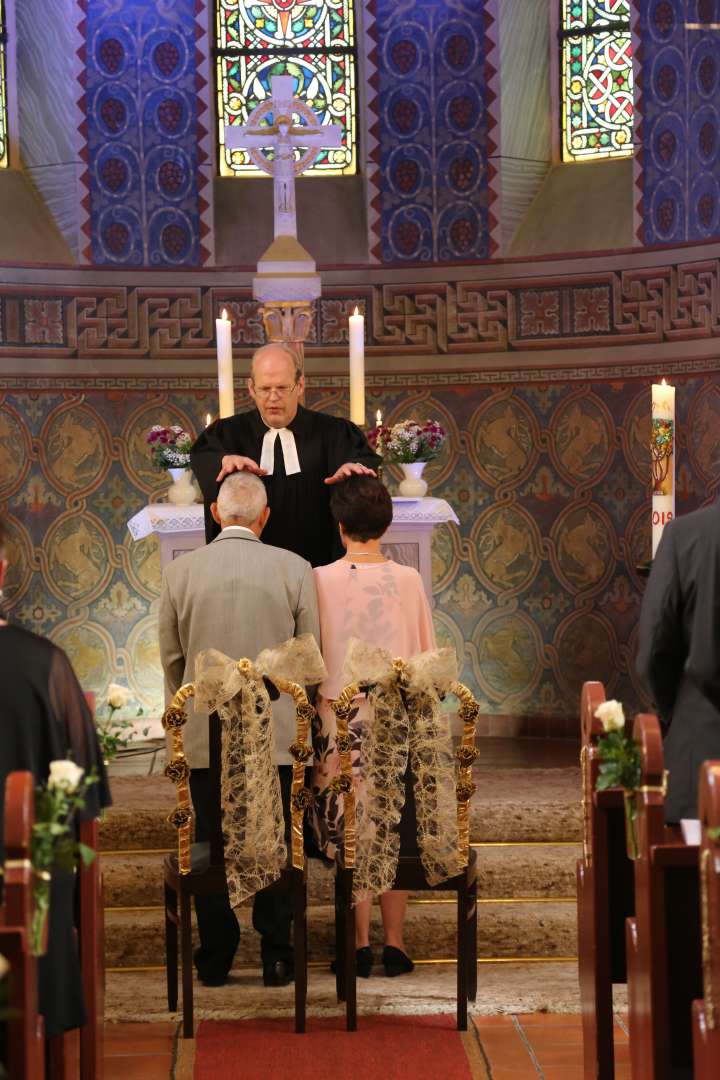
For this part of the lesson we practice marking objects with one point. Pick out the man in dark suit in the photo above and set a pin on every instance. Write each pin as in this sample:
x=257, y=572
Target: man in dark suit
x=679, y=650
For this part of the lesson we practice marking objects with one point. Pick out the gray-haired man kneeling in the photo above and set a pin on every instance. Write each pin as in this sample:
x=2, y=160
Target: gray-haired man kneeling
x=239, y=596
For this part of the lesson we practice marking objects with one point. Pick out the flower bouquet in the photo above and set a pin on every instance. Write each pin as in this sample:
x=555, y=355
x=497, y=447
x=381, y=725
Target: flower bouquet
x=169, y=447
x=53, y=845
x=115, y=732
x=410, y=445
x=170, y=450
x=620, y=766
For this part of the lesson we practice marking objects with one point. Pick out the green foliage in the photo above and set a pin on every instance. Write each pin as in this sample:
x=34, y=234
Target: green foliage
x=619, y=761
x=115, y=733
x=53, y=844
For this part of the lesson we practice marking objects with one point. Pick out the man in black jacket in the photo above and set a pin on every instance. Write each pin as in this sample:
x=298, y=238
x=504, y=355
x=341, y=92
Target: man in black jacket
x=679, y=650
x=299, y=453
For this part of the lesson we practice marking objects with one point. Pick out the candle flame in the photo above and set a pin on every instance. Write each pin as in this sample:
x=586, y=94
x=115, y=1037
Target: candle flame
x=208, y=420
x=663, y=383
x=224, y=314
x=356, y=312
x=378, y=419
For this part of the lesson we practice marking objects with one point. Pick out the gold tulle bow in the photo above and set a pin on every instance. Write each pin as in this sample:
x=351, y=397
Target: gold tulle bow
x=253, y=827
x=406, y=724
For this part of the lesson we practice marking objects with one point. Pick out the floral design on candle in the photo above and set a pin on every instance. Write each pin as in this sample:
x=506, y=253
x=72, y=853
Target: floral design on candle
x=662, y=454
x=662, y=444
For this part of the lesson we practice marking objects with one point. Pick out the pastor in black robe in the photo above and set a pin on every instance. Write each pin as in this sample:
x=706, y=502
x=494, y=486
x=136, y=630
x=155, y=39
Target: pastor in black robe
x=679, y=651
x=300, y=518
x=44, y=717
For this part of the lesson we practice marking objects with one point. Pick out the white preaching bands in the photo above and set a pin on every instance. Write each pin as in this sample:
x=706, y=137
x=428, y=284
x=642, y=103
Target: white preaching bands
x=289, y=449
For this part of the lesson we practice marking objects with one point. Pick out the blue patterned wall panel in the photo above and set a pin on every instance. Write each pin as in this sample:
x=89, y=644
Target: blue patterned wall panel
x=433, y=130
x=144, y=144
x=681, y=122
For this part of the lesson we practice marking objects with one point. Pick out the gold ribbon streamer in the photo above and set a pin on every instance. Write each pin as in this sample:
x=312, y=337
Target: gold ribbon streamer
x=342, y=707
x=177, y=770
x=301, y=752
x=466, y=755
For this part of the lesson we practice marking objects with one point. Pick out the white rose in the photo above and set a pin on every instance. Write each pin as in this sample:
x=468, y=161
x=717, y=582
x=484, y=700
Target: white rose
x=65, y=774
x=117, y=695
x=611, y=715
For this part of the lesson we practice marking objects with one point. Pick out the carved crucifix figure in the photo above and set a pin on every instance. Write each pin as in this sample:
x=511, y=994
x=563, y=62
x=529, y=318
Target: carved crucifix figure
x=282, y=137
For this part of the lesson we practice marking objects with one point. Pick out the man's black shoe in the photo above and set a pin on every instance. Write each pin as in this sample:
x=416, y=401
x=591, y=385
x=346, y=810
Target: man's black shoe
x=277, y=973
x=213, y=970
x=213, y=980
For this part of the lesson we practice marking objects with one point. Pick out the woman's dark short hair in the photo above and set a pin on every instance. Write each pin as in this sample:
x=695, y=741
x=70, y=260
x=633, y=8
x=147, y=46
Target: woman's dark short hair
x=363, y=505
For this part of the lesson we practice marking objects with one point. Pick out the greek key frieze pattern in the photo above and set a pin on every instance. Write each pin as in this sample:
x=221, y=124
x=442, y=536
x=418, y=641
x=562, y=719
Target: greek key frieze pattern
x=679, y=302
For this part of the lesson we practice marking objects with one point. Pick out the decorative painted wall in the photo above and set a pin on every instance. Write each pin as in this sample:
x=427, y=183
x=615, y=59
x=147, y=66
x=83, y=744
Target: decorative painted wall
x=146, y=144
x=536, y=589
x=679, y=177
x=436, y=69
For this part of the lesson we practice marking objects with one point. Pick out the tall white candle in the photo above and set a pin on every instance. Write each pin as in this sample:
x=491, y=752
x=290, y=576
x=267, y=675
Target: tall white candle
x=662, y=452
x=226, y=392
x=378, y=419
x=356, y=331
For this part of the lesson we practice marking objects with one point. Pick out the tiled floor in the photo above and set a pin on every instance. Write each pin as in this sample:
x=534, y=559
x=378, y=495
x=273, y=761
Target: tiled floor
x=541, y=1045
x=522, y=1047
x=139, y=1051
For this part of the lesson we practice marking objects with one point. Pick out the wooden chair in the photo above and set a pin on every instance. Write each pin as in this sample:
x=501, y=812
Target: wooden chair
x=199, y=869
x=410, y=875
x=25, y=1042
x=706, y=1012
x=605, y=897
x=663, y=939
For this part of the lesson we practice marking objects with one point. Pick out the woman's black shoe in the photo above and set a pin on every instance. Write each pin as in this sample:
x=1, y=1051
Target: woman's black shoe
x=364, y=960
x=396, y=962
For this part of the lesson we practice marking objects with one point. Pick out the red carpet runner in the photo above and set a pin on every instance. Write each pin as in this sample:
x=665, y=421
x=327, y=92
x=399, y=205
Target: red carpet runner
x=384, y=1048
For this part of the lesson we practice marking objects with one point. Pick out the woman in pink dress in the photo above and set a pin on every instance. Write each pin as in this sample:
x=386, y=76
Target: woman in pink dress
x=368, y=596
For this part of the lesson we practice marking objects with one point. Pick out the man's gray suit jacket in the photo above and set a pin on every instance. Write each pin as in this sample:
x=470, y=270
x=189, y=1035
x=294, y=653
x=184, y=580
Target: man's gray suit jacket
x=237, y=595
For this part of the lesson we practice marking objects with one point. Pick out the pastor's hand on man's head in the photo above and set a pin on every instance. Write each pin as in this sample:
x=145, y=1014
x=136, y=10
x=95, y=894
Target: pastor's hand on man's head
x=351, y=468
x=237, y=463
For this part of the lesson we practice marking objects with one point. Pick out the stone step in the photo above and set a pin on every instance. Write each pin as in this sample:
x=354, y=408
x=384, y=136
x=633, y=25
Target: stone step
x=503, y=988
x=510, y=805
x=534, y=870
x=135, y=938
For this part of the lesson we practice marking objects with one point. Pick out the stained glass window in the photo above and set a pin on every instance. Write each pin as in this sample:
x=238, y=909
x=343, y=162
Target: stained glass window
x=315, y=43
x=4, y=156
x=597, y=79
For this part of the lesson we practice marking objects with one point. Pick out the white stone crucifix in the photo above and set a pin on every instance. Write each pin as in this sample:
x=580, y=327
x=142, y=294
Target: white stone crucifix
x=282, y=136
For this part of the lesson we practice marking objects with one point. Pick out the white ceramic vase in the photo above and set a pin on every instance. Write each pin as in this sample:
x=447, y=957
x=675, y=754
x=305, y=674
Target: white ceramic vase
x=181, y=492
x=413, y=485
